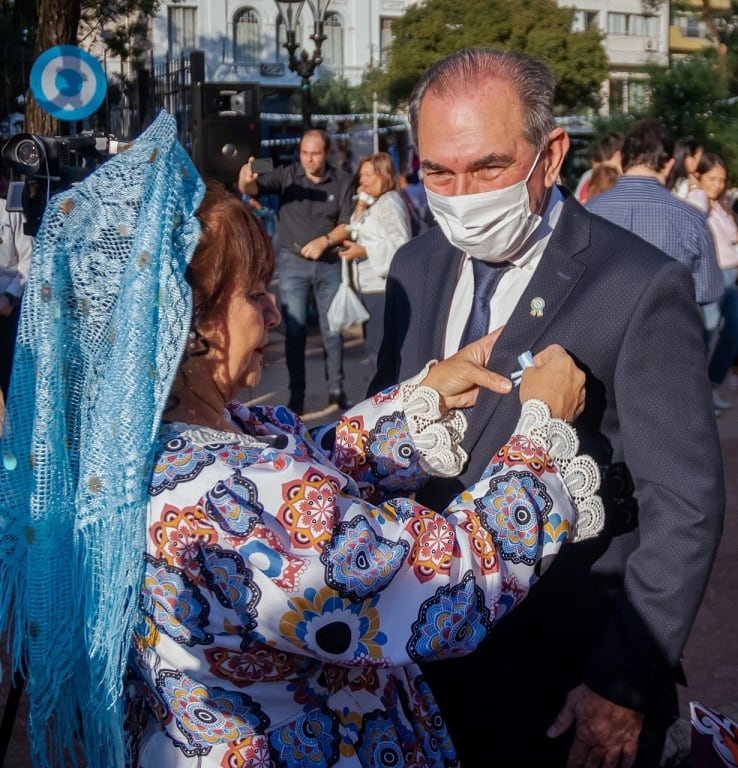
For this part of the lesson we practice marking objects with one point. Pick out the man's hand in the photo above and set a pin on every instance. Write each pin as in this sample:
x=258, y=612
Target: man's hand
x=458, y=378
x=314, y=249
x=247, y=179
x=557, y=381
x=606, y=734
x=6, y=306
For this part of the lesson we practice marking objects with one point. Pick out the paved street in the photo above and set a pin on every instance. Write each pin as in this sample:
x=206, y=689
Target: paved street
x=711, y=661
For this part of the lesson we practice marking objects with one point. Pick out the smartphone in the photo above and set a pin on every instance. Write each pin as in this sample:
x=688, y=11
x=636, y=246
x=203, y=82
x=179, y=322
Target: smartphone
x=262, y=165
x=14, y=200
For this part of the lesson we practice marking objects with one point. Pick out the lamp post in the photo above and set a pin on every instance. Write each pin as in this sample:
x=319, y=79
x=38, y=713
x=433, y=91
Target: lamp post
x=303, y=65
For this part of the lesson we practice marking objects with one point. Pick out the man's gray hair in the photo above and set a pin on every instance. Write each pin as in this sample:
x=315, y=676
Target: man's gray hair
x=469, y=68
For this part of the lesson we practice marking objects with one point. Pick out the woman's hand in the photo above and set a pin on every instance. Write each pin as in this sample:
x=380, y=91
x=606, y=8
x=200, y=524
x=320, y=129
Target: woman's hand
x=458, y=378
x=350, y=250
x=557, y=381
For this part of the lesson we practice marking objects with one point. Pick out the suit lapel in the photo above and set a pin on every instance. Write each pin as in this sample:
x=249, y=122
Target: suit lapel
x=555, y=278
x=439, y=282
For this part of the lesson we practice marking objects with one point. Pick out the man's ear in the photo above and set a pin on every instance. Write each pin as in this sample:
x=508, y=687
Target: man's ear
x=666, y=169
x=558, y=146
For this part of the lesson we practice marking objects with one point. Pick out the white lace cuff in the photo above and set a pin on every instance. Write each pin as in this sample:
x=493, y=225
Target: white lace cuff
x=581, y=474
x=437, y=437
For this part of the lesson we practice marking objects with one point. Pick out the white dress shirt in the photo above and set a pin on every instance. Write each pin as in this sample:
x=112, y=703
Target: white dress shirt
x=512, y=284
x=15, y=252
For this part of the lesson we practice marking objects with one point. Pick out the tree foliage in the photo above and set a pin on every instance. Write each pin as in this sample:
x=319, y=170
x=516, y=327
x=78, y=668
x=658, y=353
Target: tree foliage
x=427, y=33
x=698, y=97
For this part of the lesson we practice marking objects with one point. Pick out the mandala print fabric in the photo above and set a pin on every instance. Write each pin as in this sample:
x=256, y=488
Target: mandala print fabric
x=285, y=605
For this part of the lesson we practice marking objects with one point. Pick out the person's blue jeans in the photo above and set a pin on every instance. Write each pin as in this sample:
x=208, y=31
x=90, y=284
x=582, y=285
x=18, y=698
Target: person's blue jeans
x=726, y=348
x=297, y=276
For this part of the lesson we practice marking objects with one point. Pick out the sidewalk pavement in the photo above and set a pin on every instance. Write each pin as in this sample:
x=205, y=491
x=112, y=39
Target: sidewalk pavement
x=710, y=658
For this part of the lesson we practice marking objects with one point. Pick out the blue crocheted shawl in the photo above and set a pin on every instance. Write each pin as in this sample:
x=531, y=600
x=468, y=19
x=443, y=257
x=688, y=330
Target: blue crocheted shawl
x=103, y=326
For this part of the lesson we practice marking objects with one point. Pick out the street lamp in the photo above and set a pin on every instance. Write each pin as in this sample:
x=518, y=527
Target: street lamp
x=304, y=65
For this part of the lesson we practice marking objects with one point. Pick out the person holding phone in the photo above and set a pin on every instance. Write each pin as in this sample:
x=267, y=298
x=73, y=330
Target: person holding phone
x=380, y=224
x=314, y=209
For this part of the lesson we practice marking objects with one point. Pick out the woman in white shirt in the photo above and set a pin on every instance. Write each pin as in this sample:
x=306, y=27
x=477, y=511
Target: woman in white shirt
x=380, y=224
x=707, y=195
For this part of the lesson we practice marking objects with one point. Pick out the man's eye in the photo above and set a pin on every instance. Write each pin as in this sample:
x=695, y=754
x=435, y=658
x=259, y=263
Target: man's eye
x=489, y=172
x=439, y=175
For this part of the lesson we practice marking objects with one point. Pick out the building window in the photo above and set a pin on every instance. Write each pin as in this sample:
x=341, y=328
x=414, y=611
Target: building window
x=246, y=35
x=629, y=96
x=281, y=37
x=385, y=39
x=617, y=24
x=181, y=22
x=639, y=96
x=632, y=24
x=690, y=25
x=618, y=95
x=584, y=20
x=333, y=45
x=643, y=26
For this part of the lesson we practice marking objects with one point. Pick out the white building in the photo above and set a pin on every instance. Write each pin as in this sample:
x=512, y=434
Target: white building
x=243, y=39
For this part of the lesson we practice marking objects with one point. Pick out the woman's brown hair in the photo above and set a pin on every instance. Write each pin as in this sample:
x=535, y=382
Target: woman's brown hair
x=383, y=166
x=233, y=251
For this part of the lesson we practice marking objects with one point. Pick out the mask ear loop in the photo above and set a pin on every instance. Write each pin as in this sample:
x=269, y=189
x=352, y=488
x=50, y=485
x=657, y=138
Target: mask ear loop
x=533, y=167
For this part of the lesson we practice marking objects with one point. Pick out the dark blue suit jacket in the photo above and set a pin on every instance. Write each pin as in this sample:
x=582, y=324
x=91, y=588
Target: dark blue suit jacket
x=613, y=612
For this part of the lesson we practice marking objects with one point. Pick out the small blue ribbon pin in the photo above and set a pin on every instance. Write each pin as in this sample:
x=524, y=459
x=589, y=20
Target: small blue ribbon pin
x=525, y=360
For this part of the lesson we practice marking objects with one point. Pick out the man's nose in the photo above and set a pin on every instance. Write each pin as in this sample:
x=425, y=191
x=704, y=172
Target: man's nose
x=466, y=184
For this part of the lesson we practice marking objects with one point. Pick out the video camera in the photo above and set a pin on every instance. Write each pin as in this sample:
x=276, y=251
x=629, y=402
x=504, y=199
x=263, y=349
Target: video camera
x=49, y=164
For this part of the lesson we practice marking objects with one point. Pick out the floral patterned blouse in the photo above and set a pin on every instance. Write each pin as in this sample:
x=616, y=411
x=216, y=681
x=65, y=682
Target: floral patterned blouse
x=292, y=582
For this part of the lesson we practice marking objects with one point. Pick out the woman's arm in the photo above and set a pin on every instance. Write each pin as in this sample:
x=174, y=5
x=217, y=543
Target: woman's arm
x=275, y=550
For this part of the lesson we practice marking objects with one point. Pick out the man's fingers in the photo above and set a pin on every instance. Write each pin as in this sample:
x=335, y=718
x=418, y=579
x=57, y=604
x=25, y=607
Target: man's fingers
x=562, y=722
x=578, y=754
x=481, y=349
x=546, y=354
x=491, y=380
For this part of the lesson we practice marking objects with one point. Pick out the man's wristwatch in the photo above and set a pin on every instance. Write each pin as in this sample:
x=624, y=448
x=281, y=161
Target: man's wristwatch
x=330, y=240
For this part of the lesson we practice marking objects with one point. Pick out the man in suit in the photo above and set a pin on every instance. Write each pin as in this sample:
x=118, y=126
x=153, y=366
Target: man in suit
x=583, y=672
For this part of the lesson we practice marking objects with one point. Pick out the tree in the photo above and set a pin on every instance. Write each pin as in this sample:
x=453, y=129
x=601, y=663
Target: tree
x=58, y=22
x=697, y=97
x=119, y=25
x=541, y=28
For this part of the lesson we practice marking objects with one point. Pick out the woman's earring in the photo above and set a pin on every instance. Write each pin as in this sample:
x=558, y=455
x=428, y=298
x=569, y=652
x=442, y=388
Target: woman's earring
x=196, y=343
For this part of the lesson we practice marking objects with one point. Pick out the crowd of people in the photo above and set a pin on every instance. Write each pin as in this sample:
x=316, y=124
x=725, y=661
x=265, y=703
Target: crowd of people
x=495, y=558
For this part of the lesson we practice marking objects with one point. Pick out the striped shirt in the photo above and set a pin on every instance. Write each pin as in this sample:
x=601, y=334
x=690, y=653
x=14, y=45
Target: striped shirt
x=644, y=206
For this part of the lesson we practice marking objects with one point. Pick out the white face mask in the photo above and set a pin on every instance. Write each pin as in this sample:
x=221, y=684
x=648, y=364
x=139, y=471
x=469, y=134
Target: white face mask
x=489, y=226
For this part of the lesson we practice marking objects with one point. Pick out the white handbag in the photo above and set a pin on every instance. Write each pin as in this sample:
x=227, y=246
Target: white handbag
x=346, y=308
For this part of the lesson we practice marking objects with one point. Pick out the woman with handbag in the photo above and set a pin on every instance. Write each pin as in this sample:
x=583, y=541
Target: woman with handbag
x=379, y=225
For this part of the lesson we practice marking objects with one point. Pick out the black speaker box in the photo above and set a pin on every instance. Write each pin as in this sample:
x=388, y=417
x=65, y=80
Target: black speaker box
x=226, y=128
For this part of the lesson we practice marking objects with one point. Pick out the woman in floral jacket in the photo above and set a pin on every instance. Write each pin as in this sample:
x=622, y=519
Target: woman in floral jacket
x=291, y=580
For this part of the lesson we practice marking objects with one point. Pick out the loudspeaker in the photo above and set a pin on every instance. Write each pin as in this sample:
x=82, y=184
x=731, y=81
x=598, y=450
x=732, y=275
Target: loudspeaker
x=226, y=128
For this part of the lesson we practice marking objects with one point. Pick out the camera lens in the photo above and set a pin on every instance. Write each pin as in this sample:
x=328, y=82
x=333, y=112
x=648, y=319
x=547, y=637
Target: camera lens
x=27, y=152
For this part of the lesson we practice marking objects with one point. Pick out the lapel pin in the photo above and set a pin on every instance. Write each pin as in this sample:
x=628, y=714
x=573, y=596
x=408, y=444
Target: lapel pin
x=536, y=306
x=525, y=360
